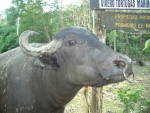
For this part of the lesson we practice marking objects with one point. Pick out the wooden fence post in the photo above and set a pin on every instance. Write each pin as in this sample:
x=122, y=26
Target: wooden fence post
x=97, y=94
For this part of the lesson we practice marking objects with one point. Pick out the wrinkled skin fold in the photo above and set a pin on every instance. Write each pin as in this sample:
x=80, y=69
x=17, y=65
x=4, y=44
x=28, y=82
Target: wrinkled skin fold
x=43, y=78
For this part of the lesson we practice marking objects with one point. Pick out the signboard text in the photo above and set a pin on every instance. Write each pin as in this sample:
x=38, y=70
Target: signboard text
x=121, y=20
x=124, y=4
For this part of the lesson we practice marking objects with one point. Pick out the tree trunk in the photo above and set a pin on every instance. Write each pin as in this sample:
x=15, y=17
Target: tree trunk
x=127, y=45
x=45, y=28
x=60, y=14
x=114, y=40
x=18, y=22
x=97, y=94
x=141, y=47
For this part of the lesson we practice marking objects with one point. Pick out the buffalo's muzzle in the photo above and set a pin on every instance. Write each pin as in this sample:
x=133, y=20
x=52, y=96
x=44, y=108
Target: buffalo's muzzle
x=126, y=65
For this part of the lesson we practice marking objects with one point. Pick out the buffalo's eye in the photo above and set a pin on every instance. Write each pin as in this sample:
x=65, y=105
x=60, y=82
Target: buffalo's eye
x=71, y=42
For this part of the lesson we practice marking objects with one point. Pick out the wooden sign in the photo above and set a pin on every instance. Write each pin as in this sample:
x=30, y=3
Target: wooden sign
x=120, y=4
x=126, y=21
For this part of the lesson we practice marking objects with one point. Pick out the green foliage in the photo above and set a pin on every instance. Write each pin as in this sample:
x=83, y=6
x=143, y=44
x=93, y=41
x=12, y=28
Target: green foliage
x=33, y=16
x=135, y=42
x=12, y=15
x=8, y=38
x=8, y=34
x=31, y=19
x=147, y=46
x=47, y=17
x=132, y=100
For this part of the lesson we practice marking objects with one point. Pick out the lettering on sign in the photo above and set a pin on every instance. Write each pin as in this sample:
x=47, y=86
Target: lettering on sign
x=123, y=4
x=118, y=20
x=125, y=25
x=129, y=16
x=145, y=17
x=147, y=25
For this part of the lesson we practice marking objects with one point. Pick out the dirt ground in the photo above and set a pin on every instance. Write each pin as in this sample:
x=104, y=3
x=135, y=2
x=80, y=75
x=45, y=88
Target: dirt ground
x=112, y=104
x=111, y=101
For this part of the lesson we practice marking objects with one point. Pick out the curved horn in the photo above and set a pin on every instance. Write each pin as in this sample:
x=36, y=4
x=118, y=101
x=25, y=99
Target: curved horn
x=34, y=51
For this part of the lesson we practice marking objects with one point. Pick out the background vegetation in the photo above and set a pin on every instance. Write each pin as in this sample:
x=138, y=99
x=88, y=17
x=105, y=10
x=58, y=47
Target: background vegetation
x=47, y=17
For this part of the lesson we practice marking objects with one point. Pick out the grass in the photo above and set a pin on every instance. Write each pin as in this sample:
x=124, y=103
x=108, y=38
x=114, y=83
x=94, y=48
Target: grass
x=111, y=101
x=142, y=82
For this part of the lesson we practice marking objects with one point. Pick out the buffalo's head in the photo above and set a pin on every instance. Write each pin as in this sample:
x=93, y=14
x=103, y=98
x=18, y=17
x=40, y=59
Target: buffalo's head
x=79, y=57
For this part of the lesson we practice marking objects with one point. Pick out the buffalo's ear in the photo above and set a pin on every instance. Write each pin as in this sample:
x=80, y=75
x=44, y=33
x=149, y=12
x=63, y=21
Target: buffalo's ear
x=46, y=61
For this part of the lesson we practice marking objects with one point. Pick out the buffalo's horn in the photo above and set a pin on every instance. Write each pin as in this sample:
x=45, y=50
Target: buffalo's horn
x=34, y=51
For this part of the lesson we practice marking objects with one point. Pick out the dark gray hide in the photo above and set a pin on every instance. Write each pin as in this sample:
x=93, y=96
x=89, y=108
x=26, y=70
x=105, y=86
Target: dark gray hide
x=43, y=79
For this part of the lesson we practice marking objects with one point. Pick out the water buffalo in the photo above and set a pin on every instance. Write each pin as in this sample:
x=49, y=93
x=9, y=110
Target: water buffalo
x=43, y=78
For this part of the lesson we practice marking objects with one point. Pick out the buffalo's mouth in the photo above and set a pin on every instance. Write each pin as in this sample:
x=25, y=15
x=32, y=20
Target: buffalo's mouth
x=120, y=77
x=126, y=67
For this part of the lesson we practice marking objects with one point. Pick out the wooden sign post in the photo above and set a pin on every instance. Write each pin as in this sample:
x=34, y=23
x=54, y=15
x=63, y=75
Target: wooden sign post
x=98, y=7
x=97, y=94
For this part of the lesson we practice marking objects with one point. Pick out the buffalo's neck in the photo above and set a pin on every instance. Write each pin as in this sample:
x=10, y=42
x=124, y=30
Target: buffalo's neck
x=53, y=89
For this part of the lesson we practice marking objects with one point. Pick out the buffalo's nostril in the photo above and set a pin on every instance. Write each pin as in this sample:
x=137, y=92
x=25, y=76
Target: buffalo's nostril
x=119, y=63
x=126, y=64
x=116, y=63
